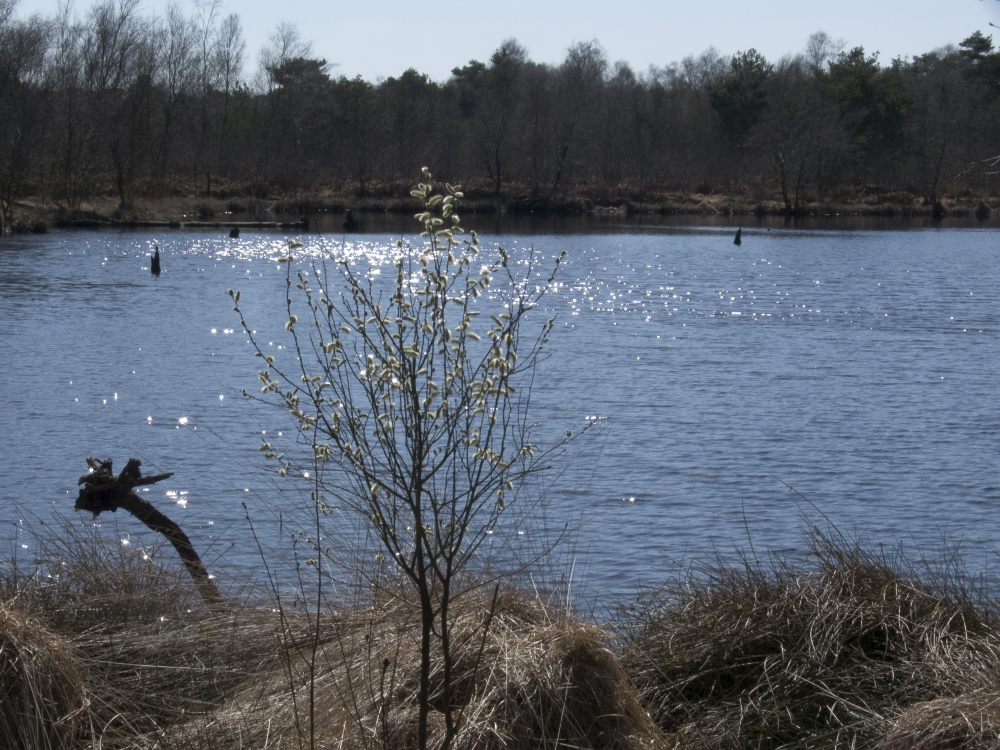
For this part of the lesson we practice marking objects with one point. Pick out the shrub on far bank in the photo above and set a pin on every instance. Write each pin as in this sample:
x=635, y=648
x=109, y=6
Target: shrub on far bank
x=27, y=225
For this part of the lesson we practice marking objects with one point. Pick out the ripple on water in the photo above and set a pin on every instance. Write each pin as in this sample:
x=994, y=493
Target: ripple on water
x=848, y=376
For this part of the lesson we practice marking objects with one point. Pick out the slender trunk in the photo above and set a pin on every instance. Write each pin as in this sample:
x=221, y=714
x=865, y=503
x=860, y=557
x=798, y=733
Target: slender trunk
x=535, y=178
x=783, y=181
x=497, y=180
x=426, y=631
x=116, y=160
x=223, y=161
x=562, y=158
x=564, y=151
x=800, y=178
x=449, y=719
x=937, y=168
x=424, y=585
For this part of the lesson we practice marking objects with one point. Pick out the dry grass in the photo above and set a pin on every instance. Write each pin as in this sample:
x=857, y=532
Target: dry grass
x=148, y=653
x=824, y=653
x=42, y=696
x=161, y=672
x=81, y=580
x=533, y=680
x=849, y=648
x=968, y=722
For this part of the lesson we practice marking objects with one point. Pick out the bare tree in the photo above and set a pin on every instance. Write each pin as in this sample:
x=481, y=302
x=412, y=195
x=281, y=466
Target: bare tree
x=358, y=124
x=536, y=127
x=22, y=103
x=284, y=44
x=176, y=75
x=821, y=50
x=496, y=116
x=796, y=126
x=580, y=80
x=941, y=111
x=119, y=65
x=228, y=57
x=625, y=128
x=70, y=125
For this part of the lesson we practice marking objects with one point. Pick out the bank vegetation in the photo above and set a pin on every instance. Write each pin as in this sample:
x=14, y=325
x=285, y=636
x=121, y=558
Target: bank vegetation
x=115, y=114
x=849, y=646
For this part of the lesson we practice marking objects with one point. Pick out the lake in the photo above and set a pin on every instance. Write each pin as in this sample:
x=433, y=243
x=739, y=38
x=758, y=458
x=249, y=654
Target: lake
x=811, y=375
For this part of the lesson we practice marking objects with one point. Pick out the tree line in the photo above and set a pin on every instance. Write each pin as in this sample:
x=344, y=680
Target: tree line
x=136, y=105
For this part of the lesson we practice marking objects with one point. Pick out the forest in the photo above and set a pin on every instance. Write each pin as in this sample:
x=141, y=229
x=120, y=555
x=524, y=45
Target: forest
x=136, y=107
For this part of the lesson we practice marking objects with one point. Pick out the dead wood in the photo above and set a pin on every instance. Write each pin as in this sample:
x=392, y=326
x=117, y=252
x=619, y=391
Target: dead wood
x=103, y=491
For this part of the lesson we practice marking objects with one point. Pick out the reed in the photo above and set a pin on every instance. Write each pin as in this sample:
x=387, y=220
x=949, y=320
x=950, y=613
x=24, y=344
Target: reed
x=841, y=649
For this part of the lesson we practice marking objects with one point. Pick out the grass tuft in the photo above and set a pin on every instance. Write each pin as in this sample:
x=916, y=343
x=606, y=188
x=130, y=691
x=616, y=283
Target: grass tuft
x=536, y=680
x=104, y=646
x=42, y=695
x=825, y=652
x=966, y=722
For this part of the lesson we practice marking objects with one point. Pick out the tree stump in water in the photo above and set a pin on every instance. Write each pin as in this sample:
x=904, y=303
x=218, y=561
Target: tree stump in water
x=103, y=491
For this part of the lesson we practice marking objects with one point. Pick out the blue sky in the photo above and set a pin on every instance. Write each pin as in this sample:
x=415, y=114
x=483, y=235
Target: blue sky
x=381, y=38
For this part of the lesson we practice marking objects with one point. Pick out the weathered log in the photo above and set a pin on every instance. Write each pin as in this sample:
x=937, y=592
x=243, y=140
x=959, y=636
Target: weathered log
x=103, y=491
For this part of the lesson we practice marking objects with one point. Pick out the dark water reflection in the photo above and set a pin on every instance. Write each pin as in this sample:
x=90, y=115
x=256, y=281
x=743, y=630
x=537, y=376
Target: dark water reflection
x=518, y=224
x=857, y=366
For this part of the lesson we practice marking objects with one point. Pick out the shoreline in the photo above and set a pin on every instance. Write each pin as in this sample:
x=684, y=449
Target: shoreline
x=256, y=207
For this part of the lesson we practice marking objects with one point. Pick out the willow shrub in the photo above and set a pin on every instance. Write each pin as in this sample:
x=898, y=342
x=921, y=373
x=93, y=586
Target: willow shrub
x=413, y=401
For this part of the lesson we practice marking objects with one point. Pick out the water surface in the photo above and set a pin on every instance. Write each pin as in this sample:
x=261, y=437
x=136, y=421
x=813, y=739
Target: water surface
x=857, y=367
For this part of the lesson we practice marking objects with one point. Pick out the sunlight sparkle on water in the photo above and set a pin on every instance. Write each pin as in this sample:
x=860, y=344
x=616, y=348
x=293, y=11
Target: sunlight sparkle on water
x=703, y=401
x=358, y=253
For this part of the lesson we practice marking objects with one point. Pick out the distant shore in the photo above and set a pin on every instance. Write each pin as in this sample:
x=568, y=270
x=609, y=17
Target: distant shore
x=268, y=207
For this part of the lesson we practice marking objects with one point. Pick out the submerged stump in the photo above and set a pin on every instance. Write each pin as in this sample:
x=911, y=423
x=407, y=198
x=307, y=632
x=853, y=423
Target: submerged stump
x=102, y=491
